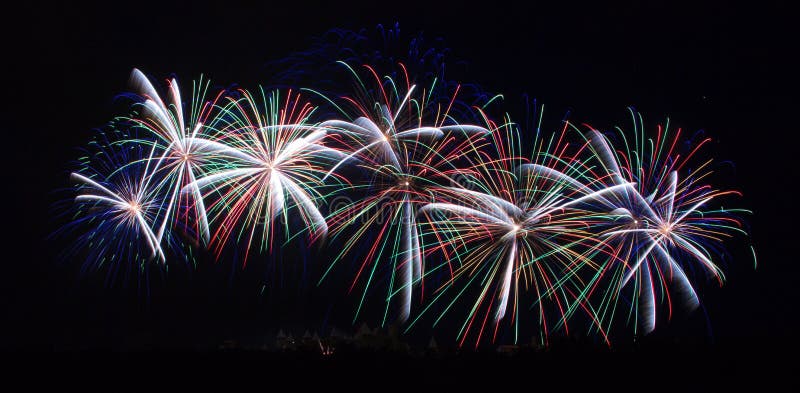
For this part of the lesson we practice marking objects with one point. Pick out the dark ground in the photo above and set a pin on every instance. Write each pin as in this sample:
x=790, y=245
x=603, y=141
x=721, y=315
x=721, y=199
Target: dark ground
x=724, y=68
x=665, y=368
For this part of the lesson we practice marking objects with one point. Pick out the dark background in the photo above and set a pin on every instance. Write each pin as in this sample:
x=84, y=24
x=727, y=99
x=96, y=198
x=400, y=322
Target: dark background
x=726, y=69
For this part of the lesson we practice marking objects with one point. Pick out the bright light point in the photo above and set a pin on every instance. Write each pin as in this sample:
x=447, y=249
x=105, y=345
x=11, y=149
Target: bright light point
x=134, y=207
x=406, y=183
x=516, y=227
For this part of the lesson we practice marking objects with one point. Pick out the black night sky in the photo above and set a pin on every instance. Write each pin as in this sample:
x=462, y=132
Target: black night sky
x=717, y=67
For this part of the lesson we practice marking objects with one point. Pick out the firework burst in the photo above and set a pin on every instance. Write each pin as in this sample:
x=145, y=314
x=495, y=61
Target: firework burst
x=180, y=158
x=660, y=228
x=274, y=164
x=409, y=144
x=117, y=205
x=520, y=225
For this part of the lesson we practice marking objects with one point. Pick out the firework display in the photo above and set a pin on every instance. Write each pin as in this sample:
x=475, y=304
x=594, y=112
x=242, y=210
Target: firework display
x=432, y=207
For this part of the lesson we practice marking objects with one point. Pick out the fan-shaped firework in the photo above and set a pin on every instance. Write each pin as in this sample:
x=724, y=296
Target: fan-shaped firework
x=274, y=164
x=521, y=227
x=660, y=228
x=179, y=158
x=409, y=145
x=117, y=205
